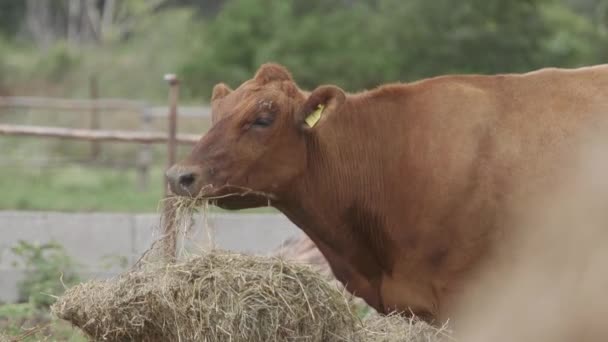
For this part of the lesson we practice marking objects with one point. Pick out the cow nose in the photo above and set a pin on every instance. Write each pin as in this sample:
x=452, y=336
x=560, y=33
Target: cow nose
x=182, y=180
x=186, y=179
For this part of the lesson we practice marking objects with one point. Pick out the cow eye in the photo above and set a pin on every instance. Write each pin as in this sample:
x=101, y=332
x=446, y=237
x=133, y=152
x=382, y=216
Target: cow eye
x=263, y=121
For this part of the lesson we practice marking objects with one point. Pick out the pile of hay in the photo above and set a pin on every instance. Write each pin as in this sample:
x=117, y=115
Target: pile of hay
x=222, y=296
x=217, y=297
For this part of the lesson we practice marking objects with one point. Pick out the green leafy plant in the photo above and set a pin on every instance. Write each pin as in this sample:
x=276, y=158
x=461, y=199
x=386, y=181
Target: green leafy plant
x=49, y=270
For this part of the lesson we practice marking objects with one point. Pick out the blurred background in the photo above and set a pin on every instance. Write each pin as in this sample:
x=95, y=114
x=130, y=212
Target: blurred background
x=55, y=52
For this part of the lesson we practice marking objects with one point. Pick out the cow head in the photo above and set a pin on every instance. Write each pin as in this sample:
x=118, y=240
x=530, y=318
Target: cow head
x=257, y=144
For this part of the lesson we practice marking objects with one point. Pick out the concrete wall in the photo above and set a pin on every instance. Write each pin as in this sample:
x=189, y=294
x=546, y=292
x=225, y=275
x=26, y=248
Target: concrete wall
x=89, y=237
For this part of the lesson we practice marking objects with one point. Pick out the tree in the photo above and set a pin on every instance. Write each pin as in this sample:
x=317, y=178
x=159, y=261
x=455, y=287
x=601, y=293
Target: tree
x=360, y=44
x=80, y=21
x=228, y=46
x=11, y=13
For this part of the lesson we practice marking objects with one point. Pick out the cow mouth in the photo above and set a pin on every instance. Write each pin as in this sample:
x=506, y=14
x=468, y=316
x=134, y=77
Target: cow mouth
x=211, y=192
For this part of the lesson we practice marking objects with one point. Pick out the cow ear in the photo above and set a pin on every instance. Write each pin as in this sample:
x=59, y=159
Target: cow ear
x=321, y=103
x=220, y=90
x=272, y=72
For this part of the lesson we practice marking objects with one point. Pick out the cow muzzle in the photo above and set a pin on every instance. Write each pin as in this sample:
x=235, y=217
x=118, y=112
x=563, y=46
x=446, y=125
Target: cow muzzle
x=184, y=180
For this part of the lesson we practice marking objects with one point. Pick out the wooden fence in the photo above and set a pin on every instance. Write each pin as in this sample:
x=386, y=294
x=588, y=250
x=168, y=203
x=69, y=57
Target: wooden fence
x=96, y=106
x=95, y=135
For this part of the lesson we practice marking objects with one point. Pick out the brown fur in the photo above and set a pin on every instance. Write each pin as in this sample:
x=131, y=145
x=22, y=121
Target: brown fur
x=272, y=72
x=405, y=188
x=219, y=91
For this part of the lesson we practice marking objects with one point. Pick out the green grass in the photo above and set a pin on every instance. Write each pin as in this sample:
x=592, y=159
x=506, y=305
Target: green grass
x=76, y=188
x=16, y=320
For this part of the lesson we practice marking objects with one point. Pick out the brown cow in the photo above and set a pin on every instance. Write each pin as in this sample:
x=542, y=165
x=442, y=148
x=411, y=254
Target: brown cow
x=405, y=188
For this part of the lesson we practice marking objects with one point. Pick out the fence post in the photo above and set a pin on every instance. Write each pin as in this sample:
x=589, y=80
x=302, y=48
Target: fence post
x=144, y=158
x=94, y=124
x=171, y=144
x=169, y=213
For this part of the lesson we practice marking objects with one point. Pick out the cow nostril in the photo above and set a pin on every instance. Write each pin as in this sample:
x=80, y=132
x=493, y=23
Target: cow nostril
x=187, y=179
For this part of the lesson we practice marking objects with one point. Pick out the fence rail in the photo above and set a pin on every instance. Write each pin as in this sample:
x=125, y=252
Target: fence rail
x=107, y=104
x=95, y=135
x=70, y=104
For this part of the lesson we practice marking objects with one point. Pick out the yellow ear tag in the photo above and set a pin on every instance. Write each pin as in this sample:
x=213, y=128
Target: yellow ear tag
x=313, y=118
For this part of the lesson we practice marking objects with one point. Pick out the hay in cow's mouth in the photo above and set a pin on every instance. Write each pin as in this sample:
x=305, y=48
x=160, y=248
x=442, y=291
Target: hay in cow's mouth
x=210, y=193
x=222, y=296
x=184, y=206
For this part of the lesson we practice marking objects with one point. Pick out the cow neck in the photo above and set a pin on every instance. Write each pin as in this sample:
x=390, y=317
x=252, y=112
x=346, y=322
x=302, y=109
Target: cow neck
x=342, y=178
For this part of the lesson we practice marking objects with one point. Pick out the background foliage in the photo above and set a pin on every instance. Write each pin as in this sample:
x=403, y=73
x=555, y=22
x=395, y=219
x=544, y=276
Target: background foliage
x=356, y=44
x=359, y=44
x=49, y=270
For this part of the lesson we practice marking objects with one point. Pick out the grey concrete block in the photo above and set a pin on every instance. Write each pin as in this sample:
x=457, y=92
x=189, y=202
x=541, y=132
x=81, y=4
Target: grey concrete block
x=89, y=237
x=255, y=233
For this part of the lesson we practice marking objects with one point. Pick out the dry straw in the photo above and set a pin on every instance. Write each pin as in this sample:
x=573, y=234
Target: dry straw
x=395, y=328
x=222, y=296
x=225, y=296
